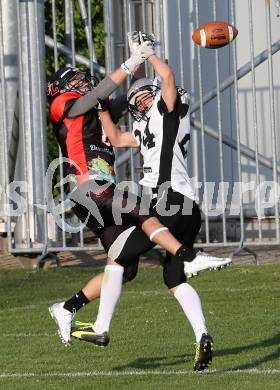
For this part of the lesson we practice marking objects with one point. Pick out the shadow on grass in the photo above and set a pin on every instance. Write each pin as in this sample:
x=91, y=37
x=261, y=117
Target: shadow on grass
x=255, y=363
x=161, y=361
x=275, y=340
x=151, y=363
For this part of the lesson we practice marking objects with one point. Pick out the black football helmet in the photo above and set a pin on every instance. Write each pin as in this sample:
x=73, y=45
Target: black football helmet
x=59, y=83
x=138, y=88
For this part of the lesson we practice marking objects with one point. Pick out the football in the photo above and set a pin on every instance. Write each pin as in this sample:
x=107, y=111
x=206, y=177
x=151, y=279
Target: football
x=214, y=34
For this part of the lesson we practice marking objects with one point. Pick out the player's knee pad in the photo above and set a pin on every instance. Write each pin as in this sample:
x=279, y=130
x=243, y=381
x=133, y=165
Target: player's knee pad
x=130, y=272
x=173, y=272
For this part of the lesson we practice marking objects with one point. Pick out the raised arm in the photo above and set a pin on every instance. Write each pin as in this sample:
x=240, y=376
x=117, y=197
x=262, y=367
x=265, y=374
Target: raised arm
x=104, y=89
x=168, y=86
x=111, y=82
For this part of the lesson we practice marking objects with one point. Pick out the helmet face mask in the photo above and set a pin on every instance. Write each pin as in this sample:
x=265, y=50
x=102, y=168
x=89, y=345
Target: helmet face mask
x=70, y=79
x=144, y=101
x=79, y=83
x=140, y=97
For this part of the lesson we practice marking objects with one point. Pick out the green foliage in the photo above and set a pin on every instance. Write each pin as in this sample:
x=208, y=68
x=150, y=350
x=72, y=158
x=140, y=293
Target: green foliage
x=80, y=45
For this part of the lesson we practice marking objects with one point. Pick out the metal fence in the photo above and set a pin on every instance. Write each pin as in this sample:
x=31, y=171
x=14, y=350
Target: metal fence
x=234, y=155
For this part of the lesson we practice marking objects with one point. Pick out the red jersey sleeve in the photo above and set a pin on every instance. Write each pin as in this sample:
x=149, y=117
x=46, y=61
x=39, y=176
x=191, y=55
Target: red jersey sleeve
x=62, y=104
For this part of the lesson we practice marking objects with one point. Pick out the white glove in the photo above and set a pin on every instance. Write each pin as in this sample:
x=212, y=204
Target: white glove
x=141, y=53
x=147, y=41
x=133, y=41
x=147, y=37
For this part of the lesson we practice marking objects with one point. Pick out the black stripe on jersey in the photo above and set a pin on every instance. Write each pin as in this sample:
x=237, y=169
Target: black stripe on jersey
x=170, y=131
x=60, y=132
x=68, y=105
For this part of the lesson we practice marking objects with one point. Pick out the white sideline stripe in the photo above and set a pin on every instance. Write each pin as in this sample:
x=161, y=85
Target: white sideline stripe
x=203, y=290
x=148, y=292
x=253, y=371
x=28, y=335
x=45, y=303
x=14, y=308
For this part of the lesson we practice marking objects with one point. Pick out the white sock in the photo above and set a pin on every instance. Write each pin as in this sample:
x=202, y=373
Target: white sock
x=190, y=303
x=110, y=293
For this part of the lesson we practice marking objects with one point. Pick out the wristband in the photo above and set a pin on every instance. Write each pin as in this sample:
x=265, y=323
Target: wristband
x=125, y=68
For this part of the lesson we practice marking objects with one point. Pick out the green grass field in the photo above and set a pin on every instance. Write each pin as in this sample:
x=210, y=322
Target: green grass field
x=151, y=342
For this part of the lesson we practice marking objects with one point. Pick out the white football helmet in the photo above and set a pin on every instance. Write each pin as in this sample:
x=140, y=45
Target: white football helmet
x=139, y=87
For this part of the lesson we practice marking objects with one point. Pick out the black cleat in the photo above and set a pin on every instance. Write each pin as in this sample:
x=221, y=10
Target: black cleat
x=85, y=332
x=203, y=353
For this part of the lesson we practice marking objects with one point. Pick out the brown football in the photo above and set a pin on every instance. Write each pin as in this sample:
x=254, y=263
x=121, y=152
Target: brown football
x=215, y=34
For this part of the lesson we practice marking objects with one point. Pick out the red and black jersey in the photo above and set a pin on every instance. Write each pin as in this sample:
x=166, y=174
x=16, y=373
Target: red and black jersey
x=81, y=139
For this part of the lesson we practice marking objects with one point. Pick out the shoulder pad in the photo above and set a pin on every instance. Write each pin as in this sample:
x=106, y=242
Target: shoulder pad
x=184, y=95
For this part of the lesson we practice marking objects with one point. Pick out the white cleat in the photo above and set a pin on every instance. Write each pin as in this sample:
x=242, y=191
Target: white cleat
x=63, y=319
x=205, y=262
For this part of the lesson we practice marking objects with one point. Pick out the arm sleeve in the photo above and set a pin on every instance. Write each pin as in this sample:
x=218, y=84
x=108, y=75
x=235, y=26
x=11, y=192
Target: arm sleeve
x=180, y=109
x=104, y=89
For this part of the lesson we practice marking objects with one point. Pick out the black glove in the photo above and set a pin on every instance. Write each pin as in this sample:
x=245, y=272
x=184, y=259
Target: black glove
x=103, y=104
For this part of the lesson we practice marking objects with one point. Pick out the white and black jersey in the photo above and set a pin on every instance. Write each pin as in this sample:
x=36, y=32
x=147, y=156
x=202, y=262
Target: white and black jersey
x=163, y=139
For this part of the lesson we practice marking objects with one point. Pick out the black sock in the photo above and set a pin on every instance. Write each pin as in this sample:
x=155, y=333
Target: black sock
x=75, y=303
x=185, y=254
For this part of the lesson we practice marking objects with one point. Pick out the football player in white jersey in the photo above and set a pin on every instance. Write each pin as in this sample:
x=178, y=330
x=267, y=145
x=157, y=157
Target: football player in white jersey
x=161, y=130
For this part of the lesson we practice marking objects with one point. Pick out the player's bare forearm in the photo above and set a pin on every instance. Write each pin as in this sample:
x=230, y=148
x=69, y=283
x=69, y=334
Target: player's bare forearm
x=160, y=66
x=117, y=138
x=168, y=87
x=138, y=73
